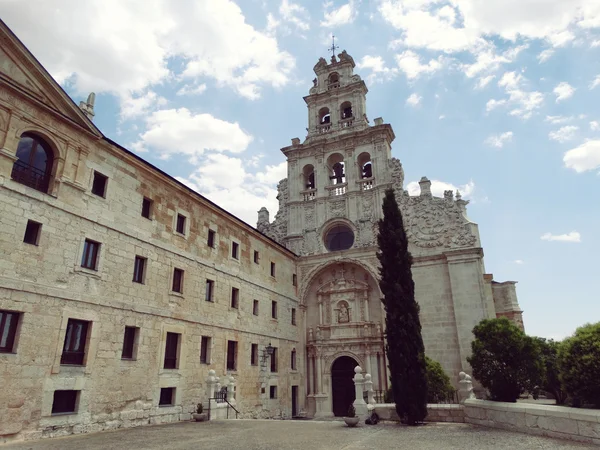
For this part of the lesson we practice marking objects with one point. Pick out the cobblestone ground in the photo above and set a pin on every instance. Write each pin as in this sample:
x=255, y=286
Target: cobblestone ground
x=309, y=435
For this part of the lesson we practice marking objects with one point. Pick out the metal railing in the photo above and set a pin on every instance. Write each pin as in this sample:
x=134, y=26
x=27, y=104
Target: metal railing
x=30, y=176
x=221, y=400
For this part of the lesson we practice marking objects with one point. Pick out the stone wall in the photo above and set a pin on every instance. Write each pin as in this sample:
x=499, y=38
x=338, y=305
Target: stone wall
x=47, y=286
x=435, y=412
x=547, y=420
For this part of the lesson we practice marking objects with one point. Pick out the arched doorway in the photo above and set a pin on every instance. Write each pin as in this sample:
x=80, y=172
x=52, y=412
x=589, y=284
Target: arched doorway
x=342, y=385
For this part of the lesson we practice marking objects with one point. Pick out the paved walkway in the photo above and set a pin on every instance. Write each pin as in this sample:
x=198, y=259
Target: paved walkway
x=309, y=435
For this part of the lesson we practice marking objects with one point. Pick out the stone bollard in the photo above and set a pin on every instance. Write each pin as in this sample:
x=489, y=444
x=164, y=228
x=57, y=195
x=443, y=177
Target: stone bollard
x=231, y=390
x=211, y=384
x=465, y=390
x=360, y=407
x=369, y=389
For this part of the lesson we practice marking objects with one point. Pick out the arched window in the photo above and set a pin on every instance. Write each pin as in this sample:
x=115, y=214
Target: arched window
x=333, y=81
x=309, y=177
x=346, y=110
x=324, y=116
x=365, y=165
x=336, y=165
x=33, y=167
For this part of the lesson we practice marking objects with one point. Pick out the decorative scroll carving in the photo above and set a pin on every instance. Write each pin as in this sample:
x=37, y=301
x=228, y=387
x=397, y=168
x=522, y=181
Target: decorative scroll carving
x=337, y=208
x=366, y=233
x=309, y=216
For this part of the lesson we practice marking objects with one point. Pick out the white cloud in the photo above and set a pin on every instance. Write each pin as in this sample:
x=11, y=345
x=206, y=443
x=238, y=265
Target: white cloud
x=561, y=39
x=123, y=48
x=595, y=82
x=413, y=99
x=178, y=131
x=410, y=63
x=343, y=15
x=132, y=107
x=545, y=55
x=493, y=104
x=594, y=125
x=192, y=90
x=555, y=120
x=595, y=43
x=584, y=157
x=563, y=91
x=510, y=80
x=438, y=187
x=524, y=102
x=573, y=236
x=484, y=81
x=294, y=14
x=442, y=117
x=519, y=261
x=563, y=134
x=498, y=140
x=376, y=65
x=224, y=180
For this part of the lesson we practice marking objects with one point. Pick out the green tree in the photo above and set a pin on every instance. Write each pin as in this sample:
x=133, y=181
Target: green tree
x=552, y=383
x=404, y=344
x=579, y=358
x=505, y=360
x=439, y=387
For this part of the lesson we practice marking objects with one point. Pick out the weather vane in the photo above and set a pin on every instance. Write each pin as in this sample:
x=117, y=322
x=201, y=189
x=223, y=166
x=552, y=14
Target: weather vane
x=333, y=47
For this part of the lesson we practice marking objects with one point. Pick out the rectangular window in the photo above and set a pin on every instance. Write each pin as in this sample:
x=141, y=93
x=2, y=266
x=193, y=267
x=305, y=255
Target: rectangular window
x=254, y=355
x=210, y=287
x=32, y=232
x=99, y=184
x=256, y=256
x=167, y=396
x=65, y=402
x=171, y=350
x=211, y=238
x=272, y=269
x=139, y=269
x=205, y=350
x=274, y=309
x=274, y=360
x=235, y=297
x=146, y=207
x=129, y=343
x=75, y=340
x=8, y=330
x=177, y=281
x=272, y=392
x=293, y=316
x=255, y=307
x=231, y=355
x=89, y=259
x=293, y=360
x=294, y=280
x=234, y=250
x=180, y=224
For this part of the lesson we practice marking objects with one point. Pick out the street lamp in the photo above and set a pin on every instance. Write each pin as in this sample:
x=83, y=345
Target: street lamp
x=267, y=351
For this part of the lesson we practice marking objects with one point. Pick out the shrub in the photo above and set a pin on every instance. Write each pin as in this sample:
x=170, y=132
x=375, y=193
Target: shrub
x=579, y=359
x=552, y=383
x=351, y=411
x=505, y=360
x=199, y=408
x=439, y=387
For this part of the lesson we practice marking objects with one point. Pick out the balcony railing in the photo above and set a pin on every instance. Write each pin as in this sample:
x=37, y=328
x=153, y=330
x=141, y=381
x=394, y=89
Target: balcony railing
x=346, y=123
x=333, y=85
x=30, y=176
x=309, y=194
x=324, y=128
x=337, y=189
x=366, y=184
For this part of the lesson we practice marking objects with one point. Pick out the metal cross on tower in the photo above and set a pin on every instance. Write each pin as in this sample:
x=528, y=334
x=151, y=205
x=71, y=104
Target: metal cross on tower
x=333, y=47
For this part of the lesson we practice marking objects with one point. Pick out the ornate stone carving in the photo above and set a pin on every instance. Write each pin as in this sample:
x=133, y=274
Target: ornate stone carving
x=397, y=175
x=276, y=230
x=337, y=208
x=366, y=233
x=343, y=312
x=367, y=206
x=309, y=217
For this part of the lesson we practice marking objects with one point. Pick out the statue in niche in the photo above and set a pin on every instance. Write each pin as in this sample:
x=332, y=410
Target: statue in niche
x=343, y=314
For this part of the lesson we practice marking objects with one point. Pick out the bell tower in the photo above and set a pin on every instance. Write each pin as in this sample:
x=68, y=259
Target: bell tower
x=330, y=201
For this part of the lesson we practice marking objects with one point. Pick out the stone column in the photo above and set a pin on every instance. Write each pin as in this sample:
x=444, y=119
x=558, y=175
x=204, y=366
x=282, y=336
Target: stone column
x=309, y=372
x=231, y=390
x=369, y=389
x=360, y=407
x=320, y=313
x=319, y=387
x=368, y=363
x=211, y=382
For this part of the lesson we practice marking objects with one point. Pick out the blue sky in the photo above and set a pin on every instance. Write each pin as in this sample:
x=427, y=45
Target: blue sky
x=496, y=98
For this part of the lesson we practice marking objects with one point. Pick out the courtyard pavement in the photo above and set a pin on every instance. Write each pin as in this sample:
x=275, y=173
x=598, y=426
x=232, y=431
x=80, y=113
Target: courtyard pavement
x=305, y=435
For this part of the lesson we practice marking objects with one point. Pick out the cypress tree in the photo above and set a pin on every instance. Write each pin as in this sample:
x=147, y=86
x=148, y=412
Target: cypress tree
x=404, y=344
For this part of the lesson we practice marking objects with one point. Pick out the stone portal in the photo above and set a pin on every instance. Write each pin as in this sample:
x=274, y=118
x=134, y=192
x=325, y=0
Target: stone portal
x=342, y=386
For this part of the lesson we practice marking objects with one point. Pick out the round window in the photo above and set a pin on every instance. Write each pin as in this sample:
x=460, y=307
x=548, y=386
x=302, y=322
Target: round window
x=340, y=237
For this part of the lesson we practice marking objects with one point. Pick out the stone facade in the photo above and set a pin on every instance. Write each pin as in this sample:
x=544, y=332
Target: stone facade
x=45, y=284
x=335, y=184
x=81, y=267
